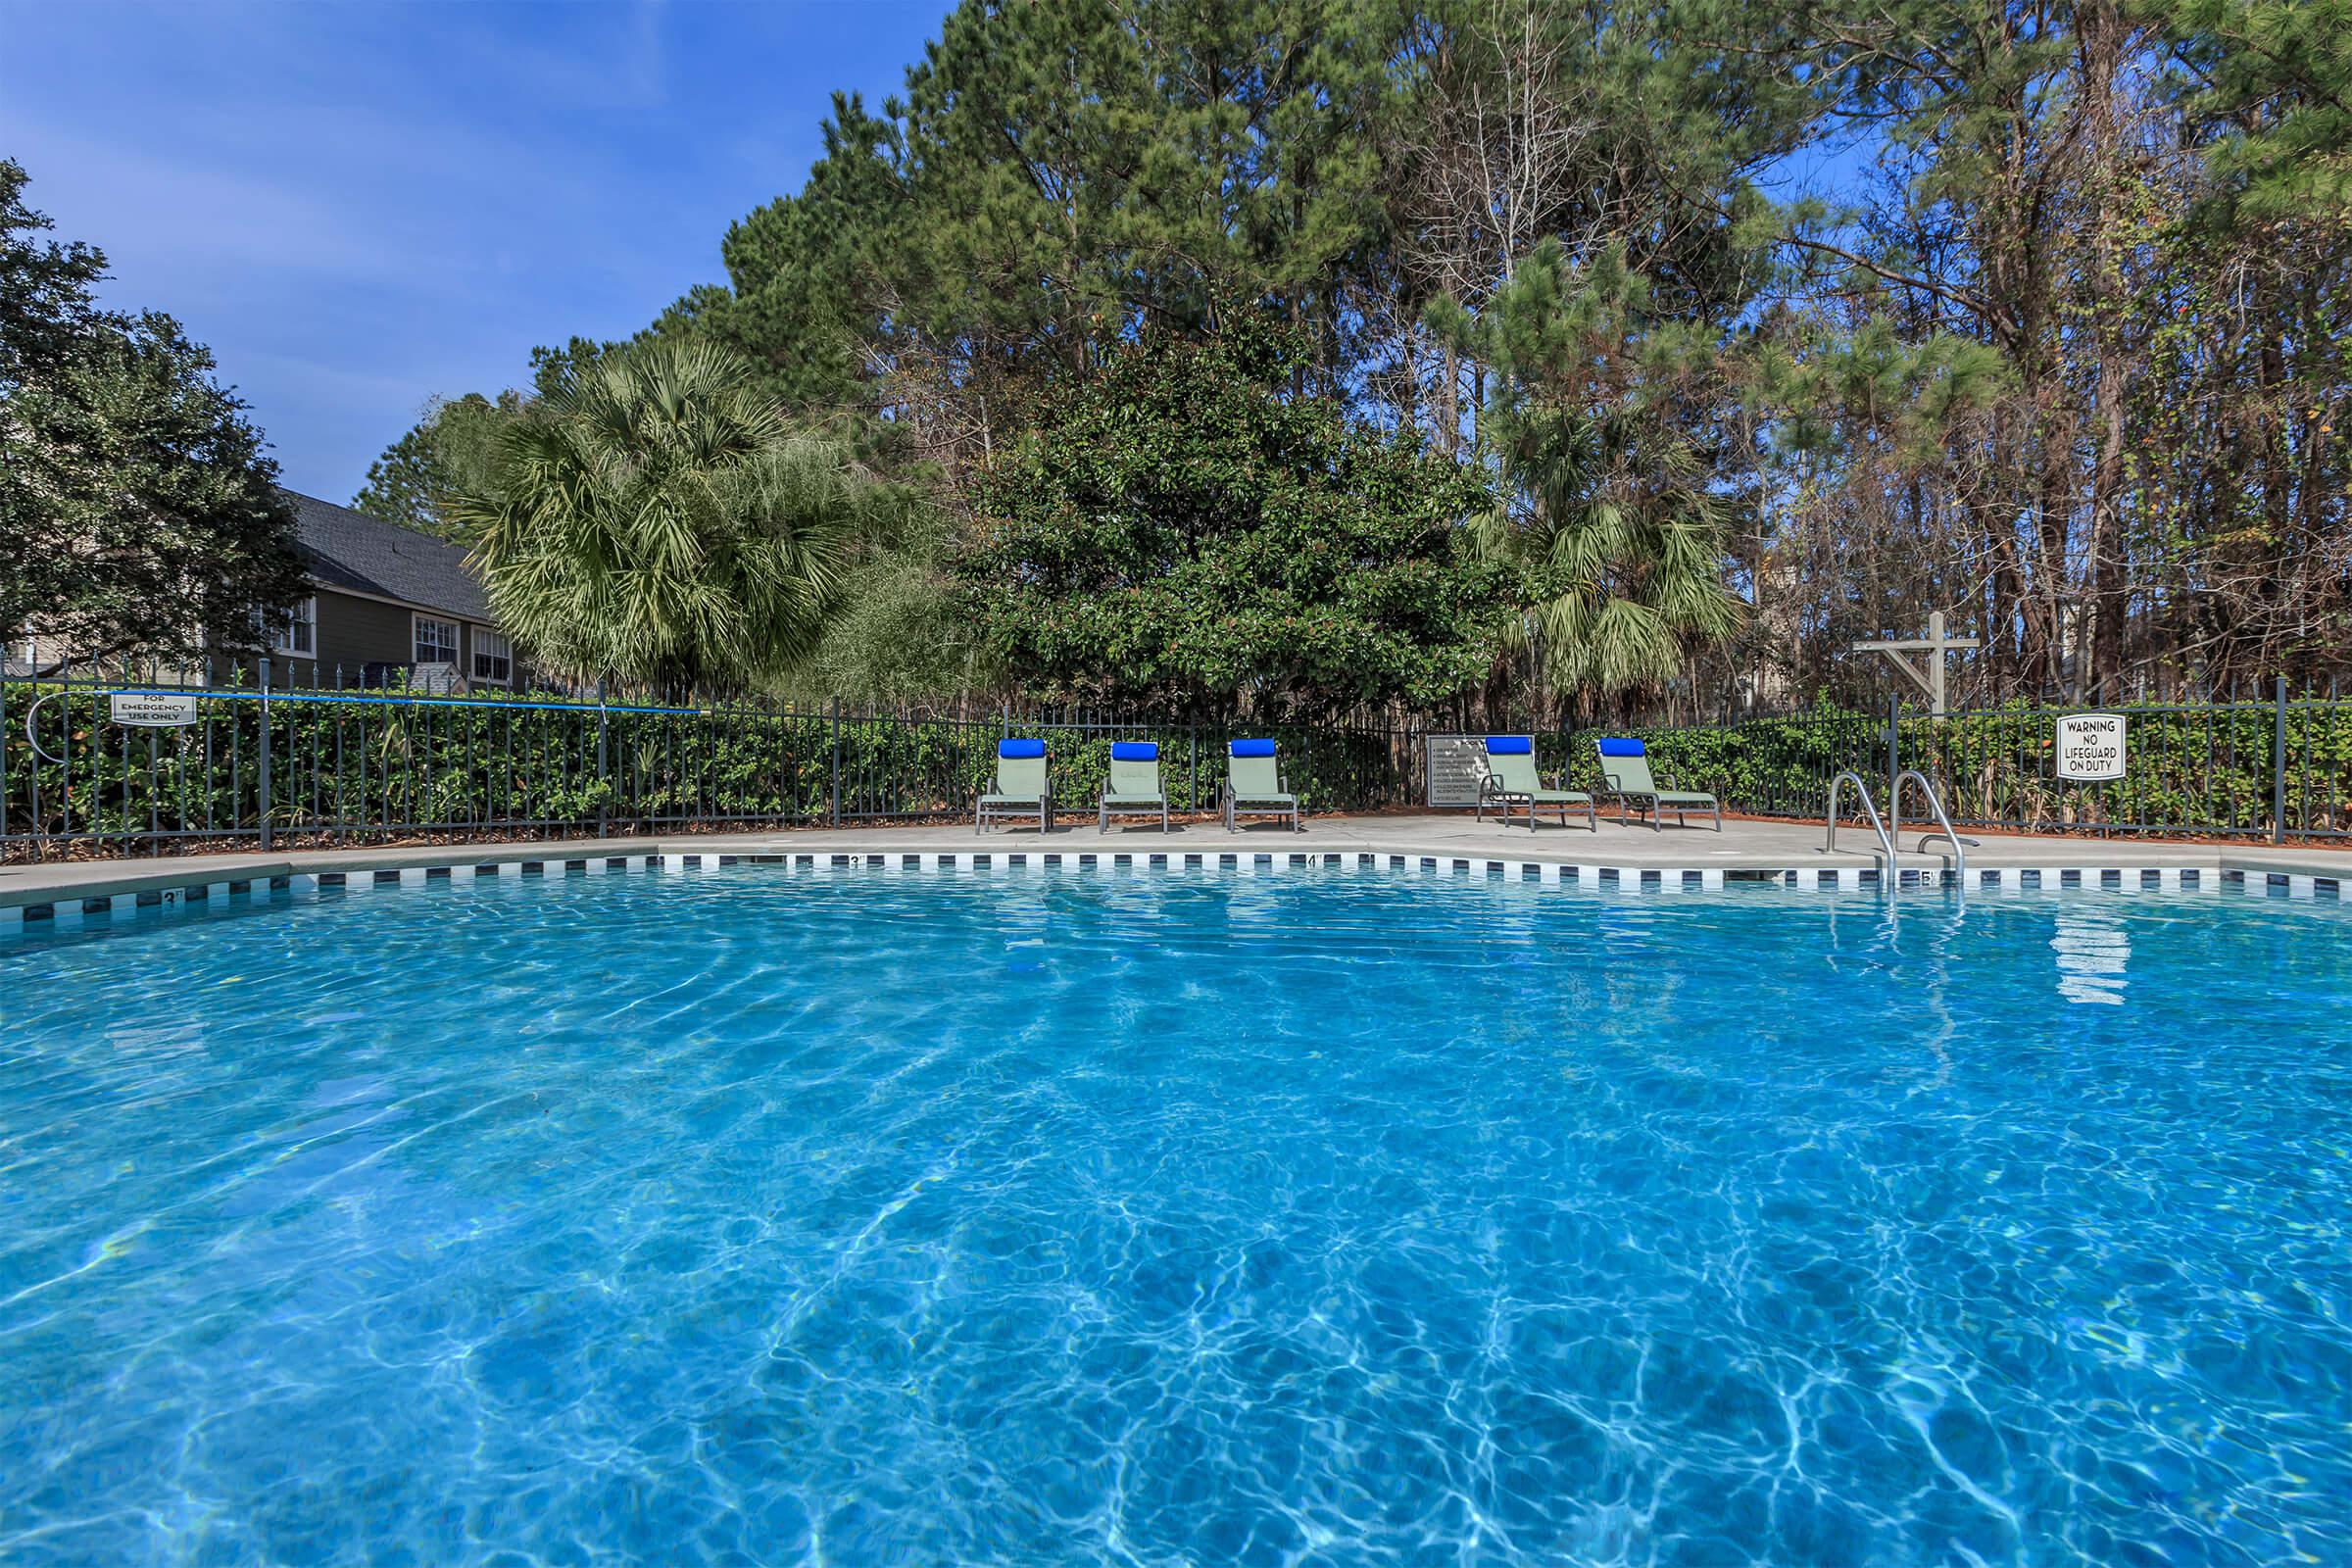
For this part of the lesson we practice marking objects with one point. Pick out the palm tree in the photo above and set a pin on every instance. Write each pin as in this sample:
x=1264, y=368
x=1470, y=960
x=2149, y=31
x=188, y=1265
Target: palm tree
x=1605, y=499
x=1627, y=560
x=655, y=522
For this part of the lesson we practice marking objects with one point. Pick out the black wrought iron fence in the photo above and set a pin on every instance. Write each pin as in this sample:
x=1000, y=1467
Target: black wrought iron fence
x=89, y=763
x=96, y=763
x=2279, y=769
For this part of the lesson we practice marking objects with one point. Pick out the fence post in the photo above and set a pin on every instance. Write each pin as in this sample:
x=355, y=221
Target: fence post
x=1894, y=763
x=833, y=790
x=1192, y=764
x=265, y=669
x=604, y=771
x=2278, y=769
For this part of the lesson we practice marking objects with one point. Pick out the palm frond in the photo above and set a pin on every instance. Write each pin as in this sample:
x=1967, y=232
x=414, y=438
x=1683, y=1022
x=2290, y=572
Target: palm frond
x=656, y=522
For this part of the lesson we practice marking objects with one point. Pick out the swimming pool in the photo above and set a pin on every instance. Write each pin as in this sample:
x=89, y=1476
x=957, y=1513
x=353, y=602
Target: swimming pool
x=878, y=1216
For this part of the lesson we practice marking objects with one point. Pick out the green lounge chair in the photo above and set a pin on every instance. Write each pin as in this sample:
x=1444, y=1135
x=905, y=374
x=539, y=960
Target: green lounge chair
x=1253, y=784
x=1134, y=783
x=1021, y=787
x=1625, y=774
x=1511, y=779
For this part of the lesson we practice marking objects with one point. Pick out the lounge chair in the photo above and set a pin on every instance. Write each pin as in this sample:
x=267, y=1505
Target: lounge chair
x=1134, y=783
x=1625, y=774
x=1021, y=787
x=1253, y=784
x=1511, y=779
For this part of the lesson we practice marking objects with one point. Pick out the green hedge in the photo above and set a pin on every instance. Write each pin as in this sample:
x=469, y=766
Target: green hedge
x=368, y=766
x=2206, y=770
x=374, y=769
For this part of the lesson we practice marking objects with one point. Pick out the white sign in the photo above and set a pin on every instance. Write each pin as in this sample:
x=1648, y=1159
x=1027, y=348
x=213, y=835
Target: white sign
x=2090, y=745
x=155, y=710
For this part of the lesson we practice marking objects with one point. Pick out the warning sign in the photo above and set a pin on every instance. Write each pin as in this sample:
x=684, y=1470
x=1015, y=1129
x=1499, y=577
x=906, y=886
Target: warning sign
x=2090, y=745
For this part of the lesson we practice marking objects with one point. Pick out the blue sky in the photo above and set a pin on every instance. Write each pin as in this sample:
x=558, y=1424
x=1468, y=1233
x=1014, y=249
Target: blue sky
x=362, y=205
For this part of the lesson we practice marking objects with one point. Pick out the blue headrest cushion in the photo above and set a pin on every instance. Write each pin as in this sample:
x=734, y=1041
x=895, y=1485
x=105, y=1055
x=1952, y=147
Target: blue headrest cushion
x=1252, y=748
x=1135, y=751
x=1619, y=747
x=1509, y=746
x=1020, y=747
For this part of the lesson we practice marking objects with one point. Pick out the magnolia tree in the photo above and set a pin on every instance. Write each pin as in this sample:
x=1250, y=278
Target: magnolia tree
x=1184, y=533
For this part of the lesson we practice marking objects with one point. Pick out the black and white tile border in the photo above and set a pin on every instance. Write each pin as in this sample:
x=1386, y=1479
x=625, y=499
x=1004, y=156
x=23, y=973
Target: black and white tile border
x=66, y=915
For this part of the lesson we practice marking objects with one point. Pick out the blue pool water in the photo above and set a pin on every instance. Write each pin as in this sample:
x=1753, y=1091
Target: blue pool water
x=893, y=1217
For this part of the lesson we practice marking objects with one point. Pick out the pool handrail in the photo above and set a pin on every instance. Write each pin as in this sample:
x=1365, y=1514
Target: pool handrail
x=1943, y=823
x=1870, y=809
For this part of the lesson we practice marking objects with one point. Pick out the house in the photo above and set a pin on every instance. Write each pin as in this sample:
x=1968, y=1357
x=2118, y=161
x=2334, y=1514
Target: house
x=388, y=605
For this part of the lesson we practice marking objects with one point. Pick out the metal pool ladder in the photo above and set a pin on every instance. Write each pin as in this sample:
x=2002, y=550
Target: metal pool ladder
x=1943, y=823
x=1886, y=874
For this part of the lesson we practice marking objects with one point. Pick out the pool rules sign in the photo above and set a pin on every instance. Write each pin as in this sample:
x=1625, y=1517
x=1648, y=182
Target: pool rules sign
x=2090, y=747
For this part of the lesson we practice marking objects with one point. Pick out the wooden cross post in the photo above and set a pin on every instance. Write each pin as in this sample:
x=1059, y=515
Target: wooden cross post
x=1927, y=676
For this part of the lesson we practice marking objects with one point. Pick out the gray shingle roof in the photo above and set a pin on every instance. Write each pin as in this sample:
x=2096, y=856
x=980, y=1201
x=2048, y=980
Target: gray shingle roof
x=349, y=549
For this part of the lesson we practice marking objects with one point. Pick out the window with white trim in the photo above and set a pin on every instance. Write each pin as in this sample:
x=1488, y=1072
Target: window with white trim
x=296, y=631
x=493, y=657
x=436, y=641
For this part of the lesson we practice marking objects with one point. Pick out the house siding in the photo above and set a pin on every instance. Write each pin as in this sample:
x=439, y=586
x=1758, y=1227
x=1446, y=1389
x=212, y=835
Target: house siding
x=354, y=633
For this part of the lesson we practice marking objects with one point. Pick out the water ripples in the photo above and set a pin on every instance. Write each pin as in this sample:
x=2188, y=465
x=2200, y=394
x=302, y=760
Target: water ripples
x=756, y=1217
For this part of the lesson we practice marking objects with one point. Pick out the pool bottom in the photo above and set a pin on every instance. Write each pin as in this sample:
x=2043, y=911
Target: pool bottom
x=1279, y=1218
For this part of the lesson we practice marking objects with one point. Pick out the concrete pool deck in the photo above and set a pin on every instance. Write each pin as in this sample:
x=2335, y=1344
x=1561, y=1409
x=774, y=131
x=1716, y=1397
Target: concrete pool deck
x=1633, y=858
